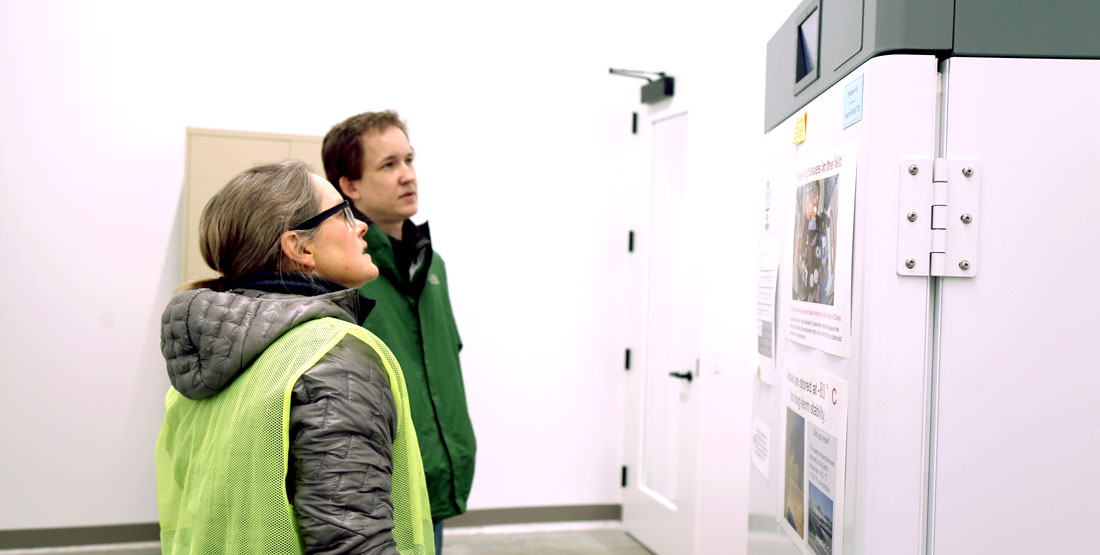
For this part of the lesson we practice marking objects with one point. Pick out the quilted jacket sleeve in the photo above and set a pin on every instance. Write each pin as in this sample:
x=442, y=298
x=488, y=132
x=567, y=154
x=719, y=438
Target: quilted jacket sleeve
x=342, y=424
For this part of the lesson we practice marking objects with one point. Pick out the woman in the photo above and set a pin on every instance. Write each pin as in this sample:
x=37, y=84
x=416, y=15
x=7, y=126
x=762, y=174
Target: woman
x=286, y=419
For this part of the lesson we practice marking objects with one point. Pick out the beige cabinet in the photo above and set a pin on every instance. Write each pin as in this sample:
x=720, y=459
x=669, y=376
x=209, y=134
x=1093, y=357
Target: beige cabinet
x=213, y=158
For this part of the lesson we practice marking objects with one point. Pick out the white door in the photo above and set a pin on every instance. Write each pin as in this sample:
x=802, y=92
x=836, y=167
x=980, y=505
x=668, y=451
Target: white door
x=665, y=329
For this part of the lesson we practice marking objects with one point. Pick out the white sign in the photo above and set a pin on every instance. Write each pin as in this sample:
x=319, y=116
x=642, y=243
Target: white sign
x=761, y=446
x=812, y=507
x=765, y=315
x=820, y=311
x=766, y=286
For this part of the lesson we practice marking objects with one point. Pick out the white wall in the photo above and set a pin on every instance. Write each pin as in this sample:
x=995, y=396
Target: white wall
x=521, y=138
x=725, y=70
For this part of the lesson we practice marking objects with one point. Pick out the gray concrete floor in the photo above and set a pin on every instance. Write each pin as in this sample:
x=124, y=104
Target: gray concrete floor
x=567, y=542
x=143, y=548
x=493, y=540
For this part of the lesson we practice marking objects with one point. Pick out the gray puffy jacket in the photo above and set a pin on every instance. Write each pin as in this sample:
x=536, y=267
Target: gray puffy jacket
x=342, y=414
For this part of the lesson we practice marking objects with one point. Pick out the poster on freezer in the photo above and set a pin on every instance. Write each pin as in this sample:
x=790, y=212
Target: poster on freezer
x=816, y=436
x=820, y=311
x=766, y=286
x=767, y=279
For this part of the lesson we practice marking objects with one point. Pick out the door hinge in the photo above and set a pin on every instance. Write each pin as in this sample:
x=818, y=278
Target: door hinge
x=630, y=242
x=628, y=359
x=938, y=202
x=624, y=476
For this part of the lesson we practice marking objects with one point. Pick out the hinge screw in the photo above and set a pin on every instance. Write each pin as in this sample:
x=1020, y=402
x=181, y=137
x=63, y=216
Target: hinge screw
x=964, y=264
x=910, y=263
x=914, y=170
x=967, y=172
x=966, y=218
x=912, y=216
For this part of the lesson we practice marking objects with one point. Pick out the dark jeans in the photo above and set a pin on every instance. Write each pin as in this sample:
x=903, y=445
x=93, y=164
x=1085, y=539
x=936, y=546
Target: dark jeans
x=437, y=525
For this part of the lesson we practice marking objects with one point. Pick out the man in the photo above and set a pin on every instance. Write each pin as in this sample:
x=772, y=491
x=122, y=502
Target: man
x=370, y=161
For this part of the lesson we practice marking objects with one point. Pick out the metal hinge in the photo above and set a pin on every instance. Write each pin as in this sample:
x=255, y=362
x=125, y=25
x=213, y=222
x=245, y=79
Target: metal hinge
x=938, y=218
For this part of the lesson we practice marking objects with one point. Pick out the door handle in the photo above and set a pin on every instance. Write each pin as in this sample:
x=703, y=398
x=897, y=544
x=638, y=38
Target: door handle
x=681, y=375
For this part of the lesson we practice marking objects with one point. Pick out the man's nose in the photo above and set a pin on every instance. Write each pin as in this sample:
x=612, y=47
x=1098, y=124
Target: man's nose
x=407, y=173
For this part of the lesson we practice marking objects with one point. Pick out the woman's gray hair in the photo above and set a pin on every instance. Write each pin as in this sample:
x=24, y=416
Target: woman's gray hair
x=242, y=224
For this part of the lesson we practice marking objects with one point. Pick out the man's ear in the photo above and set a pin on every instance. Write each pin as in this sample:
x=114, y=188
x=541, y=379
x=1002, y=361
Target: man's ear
x=349, y=188
x=297, y=250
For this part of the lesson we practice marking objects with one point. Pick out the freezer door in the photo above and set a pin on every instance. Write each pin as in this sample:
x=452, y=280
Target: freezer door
x=1018, y=428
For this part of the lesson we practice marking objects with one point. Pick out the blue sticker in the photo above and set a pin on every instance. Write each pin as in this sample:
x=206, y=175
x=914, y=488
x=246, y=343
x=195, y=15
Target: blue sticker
x=853, y=101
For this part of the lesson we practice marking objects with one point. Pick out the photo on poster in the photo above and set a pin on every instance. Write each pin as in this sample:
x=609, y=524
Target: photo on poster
x=764, y=338
x=820, y=538
x=814, y=278
x=793, y=494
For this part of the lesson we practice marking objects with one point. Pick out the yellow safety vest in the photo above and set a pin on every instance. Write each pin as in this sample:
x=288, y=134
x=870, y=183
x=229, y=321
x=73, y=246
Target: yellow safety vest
x=222, y=461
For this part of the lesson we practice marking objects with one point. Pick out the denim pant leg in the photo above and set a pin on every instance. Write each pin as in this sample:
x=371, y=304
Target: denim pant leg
x=437, y=526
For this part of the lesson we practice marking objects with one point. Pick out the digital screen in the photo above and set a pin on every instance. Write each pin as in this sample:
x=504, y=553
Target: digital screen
x=807, y=47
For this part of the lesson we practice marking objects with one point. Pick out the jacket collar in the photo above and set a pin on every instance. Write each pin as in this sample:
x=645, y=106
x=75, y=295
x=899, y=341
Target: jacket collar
x=381, y=248
x=306, y=285
x=209, y=337
x=409, y=229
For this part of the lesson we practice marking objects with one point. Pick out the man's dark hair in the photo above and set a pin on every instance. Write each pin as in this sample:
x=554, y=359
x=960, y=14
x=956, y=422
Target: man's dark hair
x=342, y=151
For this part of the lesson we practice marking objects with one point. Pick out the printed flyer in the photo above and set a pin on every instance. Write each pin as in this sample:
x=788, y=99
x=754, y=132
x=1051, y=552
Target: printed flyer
x=765, y=316
x=766, y=287
x=816, y=434
x=761, y=446
x=821, y=273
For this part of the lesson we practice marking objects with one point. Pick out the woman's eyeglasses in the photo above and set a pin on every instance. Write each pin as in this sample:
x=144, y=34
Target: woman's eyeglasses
x=316, y=220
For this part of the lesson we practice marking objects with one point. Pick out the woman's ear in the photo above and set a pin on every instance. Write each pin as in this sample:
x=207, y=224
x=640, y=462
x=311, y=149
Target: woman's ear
x=296, y=248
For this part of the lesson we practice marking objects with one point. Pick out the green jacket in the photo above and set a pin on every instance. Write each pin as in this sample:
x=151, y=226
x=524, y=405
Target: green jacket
x=415, y=320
